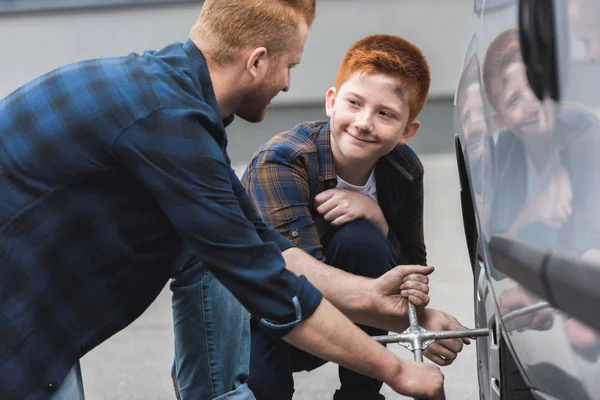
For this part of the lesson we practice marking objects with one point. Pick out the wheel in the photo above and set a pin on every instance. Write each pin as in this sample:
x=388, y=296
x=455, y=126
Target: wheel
x=512, y=384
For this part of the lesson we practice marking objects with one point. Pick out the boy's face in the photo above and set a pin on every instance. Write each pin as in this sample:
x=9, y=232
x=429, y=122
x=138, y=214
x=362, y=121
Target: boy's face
x=369, y=117
x=519, y=110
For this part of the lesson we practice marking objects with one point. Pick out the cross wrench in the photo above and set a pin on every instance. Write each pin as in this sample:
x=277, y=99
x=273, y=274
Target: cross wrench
x=418, y=339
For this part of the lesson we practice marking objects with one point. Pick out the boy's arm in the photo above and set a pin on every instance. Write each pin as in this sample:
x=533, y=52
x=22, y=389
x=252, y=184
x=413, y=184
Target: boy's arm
x=280, y=191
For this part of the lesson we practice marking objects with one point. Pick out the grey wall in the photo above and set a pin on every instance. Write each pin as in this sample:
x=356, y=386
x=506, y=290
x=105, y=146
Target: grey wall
x=34, y=43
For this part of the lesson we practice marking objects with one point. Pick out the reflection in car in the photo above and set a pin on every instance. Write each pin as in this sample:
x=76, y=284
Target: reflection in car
x=533, y=171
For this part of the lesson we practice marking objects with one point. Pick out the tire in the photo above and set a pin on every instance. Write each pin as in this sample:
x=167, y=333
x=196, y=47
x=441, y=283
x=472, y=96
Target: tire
x=512, y=385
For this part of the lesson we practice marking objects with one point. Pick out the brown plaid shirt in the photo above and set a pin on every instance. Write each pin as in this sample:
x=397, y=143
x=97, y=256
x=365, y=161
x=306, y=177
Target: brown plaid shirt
x=288, y=171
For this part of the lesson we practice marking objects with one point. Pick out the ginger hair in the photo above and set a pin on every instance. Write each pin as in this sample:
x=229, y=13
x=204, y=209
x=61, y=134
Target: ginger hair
x=227, y=26
x=504, y=51
x=392, y=56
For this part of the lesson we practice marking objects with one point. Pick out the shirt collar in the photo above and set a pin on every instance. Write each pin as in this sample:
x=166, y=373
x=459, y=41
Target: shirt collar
x=200, y=66
x=326, y=163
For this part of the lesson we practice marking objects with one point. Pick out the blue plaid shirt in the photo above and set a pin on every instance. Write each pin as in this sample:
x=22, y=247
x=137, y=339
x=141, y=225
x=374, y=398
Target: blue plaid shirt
x=109, y=170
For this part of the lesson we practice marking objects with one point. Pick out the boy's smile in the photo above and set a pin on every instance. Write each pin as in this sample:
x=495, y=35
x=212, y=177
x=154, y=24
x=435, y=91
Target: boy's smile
x=368, y=118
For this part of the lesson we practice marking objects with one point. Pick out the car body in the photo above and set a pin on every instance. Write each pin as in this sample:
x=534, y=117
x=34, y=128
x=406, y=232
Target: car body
x=528, y=151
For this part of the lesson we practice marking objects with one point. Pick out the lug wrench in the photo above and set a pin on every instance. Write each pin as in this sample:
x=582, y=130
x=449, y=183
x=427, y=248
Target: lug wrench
x=418, y=339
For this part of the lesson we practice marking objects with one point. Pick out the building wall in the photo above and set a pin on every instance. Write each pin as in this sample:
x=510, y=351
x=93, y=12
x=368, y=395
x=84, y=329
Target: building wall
x=34, y=43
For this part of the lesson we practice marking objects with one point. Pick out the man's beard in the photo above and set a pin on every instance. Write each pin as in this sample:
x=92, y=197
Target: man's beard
x=255, y=105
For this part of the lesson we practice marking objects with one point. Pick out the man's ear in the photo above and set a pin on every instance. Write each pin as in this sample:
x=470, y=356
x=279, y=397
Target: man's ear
x=499, y=121
x=411, y=130
x=330, y=101
x=257, y=63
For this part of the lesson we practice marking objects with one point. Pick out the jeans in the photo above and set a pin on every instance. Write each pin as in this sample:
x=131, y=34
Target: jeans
x=72, y=386
x=212, y=338
x=360, y=248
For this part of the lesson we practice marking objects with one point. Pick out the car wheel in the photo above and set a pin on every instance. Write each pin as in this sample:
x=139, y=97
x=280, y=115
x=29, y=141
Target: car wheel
x=512, y=384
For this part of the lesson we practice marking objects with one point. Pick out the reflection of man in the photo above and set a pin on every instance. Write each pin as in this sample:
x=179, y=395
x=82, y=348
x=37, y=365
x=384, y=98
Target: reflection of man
x=470, y=108
x=547, y=163
x=350, y=192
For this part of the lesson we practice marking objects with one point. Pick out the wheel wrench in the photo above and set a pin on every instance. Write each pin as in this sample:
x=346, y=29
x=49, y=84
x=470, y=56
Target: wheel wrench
x=418, y=339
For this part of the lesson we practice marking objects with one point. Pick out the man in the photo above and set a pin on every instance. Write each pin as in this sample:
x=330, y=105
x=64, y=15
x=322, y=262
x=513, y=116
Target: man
x=349, y=191
x=113, y=169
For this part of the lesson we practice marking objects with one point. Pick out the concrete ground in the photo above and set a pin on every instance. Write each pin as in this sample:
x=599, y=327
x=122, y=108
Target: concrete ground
x=135, y=364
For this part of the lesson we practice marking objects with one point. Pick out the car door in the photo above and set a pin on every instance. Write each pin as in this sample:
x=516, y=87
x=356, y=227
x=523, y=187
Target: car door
x=545, y=186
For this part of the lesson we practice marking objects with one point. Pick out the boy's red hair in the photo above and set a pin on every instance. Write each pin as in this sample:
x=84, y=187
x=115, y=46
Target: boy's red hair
x=504, y=51
x=392, y=56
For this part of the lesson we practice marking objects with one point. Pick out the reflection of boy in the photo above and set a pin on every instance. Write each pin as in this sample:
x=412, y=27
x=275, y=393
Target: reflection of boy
x=351, y=192
x=546, y=159
x=547, y=179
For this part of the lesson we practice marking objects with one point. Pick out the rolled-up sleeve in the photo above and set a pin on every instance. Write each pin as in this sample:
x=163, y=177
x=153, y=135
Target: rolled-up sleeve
x=173, y=155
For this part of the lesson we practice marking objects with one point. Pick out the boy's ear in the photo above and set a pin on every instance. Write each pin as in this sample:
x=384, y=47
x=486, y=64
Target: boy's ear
x=330, y=101
x=499, y=121
x=257, y=62
x=411, y=130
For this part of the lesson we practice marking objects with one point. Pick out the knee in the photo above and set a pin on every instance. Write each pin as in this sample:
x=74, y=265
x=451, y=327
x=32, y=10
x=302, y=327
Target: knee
x=361, y=248
x=270, y=375
x=267, y=388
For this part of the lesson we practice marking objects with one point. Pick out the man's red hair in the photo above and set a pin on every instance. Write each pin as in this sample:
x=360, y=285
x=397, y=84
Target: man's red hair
x=392, y=56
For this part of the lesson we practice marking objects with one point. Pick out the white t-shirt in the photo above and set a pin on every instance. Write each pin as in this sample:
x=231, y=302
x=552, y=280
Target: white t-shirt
x=369, y=188
x=536, y=181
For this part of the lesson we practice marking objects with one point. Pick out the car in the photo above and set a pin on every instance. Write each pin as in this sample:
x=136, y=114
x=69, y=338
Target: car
x=527, y=137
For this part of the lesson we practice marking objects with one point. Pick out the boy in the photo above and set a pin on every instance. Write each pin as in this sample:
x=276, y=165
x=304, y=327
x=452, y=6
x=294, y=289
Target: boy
x=350, y=192
x=547, y=180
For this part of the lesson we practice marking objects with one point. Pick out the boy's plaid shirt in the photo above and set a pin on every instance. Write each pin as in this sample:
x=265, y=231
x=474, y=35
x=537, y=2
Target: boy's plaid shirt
x=288, y=171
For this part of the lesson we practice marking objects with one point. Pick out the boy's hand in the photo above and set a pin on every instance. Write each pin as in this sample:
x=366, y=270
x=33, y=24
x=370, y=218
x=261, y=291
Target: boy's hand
x=553, y=206
x=442, y=352
x=340, y=206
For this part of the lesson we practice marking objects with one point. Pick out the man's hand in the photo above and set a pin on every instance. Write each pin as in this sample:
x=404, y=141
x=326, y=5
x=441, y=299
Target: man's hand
x=418, y=380
x=442, y=352
x=393, y=290
x=340, y=206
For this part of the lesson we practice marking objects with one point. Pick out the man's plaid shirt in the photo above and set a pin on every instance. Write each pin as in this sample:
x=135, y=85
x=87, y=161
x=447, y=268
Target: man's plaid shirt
x=109, y=169
x=288, y=171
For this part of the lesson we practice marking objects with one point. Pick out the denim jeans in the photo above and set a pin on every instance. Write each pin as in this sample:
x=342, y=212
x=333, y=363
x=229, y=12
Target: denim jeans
x=72, y=386
x=212, y=338
x=360, y=248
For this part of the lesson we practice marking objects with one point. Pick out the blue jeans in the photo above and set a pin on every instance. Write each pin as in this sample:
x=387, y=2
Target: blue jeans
x=72, y=386
x=360, y=248
x=212, y=338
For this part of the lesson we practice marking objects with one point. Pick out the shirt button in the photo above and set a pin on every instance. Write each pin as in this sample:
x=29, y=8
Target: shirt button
x=294, y=234
x=51, y=387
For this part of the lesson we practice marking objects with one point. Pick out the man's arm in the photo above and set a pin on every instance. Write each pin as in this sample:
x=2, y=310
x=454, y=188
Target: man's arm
x=348, y=346
x=186, y=172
